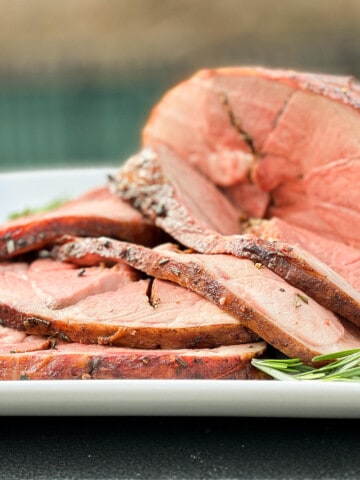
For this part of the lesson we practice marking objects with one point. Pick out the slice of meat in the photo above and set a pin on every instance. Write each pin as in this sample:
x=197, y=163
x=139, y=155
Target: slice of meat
x=107, y=306
x=59, y=285
x=323, y=201
x=280, y=113
x=14, y=266
x=272, y=126
x=282, y=315
x=216, y=121
x=14, y=341
x=332, y=190
x=151, y=178
x=291, y=202
x=343, y=259
x=95, y=213
x=73, y=361
x=248, y=198
x=153, y=192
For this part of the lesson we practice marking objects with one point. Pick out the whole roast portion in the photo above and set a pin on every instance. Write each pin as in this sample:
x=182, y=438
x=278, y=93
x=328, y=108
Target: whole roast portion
x=236, y=227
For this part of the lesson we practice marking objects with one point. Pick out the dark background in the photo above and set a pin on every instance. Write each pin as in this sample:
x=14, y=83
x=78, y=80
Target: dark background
x=78, y=78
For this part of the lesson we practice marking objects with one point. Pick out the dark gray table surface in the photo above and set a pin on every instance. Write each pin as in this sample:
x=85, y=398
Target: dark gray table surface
x=178, y=448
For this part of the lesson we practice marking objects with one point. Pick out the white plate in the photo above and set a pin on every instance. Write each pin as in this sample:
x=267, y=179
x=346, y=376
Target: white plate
x=153, y=397
x=33, y=189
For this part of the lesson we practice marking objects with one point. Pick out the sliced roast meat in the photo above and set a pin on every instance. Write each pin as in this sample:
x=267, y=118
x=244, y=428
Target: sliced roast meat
x=272, y=126
x=343, y=259
x=152, y=192
x=332, y=190
x=149, y=180
x=13, y=341
x=14, y=266
x=291, y=202
x=59, y=285
x=248, y=198
x=112, y=306
x=72, y=361
x=283, y=316
x=216, y=121
x=323, y=201
x=228, y=111
x=95, y=213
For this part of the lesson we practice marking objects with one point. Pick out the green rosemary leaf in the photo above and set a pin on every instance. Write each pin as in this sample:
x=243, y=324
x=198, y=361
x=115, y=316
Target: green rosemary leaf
x=341, y=366
x=348, y=362
x=282, y=365
x=350, y=373
x=313, y=375
x=335, y=355
x=271, y=371
x=45, y=208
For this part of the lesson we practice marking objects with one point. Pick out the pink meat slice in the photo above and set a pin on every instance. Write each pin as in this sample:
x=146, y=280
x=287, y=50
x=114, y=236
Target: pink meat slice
x=270, y=109
x=324, y=201
x=291, y=203
x=248, y=198
x=334, y=193
x=143, y=183
x=280, y=314
x=152, y=177
x=14, y=341
x=216, y=119
x=343, y=259
x=111, y=305
x=97, y=212
x=74, y=361
x=269, y=127
x=60, y=285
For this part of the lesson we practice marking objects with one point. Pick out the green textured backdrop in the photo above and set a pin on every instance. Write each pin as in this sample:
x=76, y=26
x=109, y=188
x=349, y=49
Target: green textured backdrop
x=52, y=125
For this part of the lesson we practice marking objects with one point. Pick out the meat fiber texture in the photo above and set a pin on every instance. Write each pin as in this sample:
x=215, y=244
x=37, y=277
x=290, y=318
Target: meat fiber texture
x=290, y=137
x=253, y=173
x=31, y=357
x=261, y=300
x=343, y=259
x=61, y=321
x=112, y=306
x=152, y=187
x=278, y=144
x=97, y=212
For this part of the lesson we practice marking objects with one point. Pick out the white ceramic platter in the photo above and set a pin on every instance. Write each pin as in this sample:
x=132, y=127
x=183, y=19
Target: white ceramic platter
x=153, y=397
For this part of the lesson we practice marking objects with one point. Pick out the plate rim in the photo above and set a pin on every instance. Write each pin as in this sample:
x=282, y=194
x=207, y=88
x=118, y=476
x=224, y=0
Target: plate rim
x=246, y=398
x=256, y=398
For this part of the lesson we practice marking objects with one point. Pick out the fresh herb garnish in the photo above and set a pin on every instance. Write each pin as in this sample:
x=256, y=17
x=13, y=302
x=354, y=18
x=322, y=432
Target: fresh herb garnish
x=30, y=211
x=342, y=367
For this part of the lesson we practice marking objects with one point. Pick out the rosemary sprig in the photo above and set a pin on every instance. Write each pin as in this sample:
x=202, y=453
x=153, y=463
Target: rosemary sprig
x=45, y=208
x=341, y=366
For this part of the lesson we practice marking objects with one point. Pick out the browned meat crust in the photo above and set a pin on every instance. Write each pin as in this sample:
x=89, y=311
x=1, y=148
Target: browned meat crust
x=95, y=213
x=111, y=307
x=145, y=182
x=262, y=301
x=75, y=361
